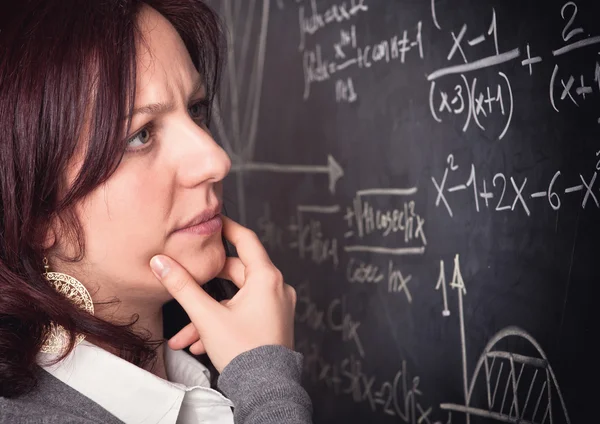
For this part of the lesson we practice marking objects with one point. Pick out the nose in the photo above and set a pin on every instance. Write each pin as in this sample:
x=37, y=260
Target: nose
x=199, y=158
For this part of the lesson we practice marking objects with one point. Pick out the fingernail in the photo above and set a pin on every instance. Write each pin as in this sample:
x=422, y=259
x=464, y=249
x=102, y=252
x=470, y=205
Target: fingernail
x=159, y=266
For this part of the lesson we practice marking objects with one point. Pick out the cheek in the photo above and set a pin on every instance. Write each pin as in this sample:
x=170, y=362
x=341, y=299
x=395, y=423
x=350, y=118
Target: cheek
x=132, y=223
x=124, y=228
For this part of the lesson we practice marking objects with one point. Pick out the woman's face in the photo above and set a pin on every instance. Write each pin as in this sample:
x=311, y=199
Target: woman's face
x=170, y=176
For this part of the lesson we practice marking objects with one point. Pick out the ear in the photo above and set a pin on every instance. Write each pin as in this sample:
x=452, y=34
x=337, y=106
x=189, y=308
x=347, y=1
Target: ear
x=48, y=237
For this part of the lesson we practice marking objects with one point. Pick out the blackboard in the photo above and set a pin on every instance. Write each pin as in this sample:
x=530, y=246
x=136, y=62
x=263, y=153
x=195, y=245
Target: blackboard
x=425, y=174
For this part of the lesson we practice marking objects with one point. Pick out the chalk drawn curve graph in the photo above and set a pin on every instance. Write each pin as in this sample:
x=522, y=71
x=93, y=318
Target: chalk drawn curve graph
x=539, y=403
x=240, y=94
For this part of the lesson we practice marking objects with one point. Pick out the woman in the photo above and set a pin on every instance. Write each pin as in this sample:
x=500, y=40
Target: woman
x=111, y=190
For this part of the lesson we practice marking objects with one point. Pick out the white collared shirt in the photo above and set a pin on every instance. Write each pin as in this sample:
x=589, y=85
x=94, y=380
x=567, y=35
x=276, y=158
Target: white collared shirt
x=135, y=395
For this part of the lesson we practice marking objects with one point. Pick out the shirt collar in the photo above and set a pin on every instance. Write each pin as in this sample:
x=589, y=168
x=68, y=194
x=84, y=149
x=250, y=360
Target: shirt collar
x=131, y=393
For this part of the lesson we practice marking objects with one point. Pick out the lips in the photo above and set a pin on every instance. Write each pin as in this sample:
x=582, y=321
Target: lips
x=206, y=222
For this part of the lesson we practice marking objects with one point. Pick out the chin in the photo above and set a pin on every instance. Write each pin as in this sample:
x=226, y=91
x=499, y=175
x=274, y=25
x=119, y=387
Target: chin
x=203, y=264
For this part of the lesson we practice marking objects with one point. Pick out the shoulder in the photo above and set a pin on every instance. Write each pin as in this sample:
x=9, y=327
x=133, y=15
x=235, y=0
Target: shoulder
x=52, y=402
x=28, y=411
x=26, y=417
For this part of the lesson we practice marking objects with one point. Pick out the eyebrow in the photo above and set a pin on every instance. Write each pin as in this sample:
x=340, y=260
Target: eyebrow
x=161, y=107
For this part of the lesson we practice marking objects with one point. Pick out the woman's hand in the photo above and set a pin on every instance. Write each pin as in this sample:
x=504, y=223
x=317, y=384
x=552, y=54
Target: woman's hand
x=261, y=312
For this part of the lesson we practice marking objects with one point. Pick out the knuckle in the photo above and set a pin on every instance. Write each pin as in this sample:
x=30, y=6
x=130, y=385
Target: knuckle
x=269, y=277
x=274, y=277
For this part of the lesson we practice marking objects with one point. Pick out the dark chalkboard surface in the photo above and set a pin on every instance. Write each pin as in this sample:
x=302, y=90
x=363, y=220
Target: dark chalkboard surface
x=425, y=173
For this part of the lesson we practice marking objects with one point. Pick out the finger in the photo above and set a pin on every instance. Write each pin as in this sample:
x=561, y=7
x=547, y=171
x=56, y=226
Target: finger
x=198, y=348
x=248, y=246
x=234, y=271
x=182, y=286
x=185, y=337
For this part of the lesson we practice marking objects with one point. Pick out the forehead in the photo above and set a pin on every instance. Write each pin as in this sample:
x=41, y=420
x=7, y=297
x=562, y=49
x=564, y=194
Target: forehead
x=164, y=66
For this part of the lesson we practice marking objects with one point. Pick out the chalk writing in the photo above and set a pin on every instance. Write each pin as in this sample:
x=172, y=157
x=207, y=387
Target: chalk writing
x=464, y=98
x=511, y=193
x=315, y=20
x=311, y=241
x=363, y=220
x=324, y=62
x=362, y=272
x=400, y=396
x=334, y=318
x=268, y=232
x=477, y=104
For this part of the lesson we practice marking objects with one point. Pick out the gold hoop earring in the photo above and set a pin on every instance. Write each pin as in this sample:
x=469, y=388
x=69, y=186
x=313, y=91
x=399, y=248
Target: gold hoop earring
x=57, y=338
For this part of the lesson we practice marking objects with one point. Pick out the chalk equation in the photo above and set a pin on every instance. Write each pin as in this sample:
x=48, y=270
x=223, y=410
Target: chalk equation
x=496, y=100
x=477, y=103
x=396, y=230
x=349, y=54
x=400, y=396
x=503, y=192
x=333, y=61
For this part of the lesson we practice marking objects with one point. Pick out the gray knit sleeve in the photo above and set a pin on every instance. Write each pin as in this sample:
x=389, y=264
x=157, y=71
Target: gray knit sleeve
x=264, y=386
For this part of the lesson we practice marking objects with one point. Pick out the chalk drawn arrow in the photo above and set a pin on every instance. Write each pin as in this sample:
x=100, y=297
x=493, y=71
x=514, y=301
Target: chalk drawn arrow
x=333, y=169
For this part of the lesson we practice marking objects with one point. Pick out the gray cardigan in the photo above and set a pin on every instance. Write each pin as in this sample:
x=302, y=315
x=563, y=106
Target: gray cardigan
x=263, y=384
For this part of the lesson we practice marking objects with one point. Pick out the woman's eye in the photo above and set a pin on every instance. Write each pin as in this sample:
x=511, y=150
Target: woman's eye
x=198, y=111
x=140, y=139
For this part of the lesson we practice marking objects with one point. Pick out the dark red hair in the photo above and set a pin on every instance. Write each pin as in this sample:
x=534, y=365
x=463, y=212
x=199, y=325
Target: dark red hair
x=67, y=74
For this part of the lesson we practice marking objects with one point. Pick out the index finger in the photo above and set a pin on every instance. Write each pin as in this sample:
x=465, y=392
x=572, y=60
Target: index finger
x=249, y=248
